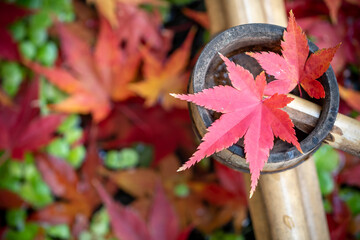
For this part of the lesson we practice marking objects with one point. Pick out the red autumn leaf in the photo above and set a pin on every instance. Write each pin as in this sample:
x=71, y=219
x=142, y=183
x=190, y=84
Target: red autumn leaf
x=77, y=197
x=131, y=122
x=334, y=6
x=20, y=124
x=93, y=78
x=339, y=219
x=245, y=113
x=9, y=13
x=139, y=27
x=350, y=176
x=60, y=177
x=10, y=199
x=127, y=224
x=201, y=18
x=232, y=181
x=108, y=7
x=163, y=221
x=162, y=78
x=294, y=67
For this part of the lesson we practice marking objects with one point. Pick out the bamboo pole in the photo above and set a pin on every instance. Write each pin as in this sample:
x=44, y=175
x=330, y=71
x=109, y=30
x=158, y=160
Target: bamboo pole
x=286, y=205
x=345, y=134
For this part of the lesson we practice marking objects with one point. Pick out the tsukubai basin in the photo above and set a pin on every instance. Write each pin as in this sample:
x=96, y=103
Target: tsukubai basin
x=210, y=71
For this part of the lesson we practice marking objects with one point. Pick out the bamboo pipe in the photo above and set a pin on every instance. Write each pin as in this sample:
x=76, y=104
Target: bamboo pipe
x=286, y=205
x=345, y=134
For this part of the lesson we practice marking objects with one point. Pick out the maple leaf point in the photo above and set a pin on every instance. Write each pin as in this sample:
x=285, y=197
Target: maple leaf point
x=245, y=114
x=294, y=67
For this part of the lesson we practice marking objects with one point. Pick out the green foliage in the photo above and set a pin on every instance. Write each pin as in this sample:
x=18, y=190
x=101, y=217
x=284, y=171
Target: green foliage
x=352, y=199
x=326, y=158
x=40, y=20
x=59, y=147
x=12, y=76
x=47, y=54
x=145, y=153
x=326, y=161
x=76, y=156
x=24, y=179
x=326, y=182
x=182, y=190
x=16, y=218
x=27, y=49
x=71, y=122
x=100, y=223
x=71, y=136
x=18, y=30
x=220, y=235
x=27, y=233
x=61, y=231
x=123, y=159
x=99, y=226
x=327, y=206
x=48, y=94
x=38, y=36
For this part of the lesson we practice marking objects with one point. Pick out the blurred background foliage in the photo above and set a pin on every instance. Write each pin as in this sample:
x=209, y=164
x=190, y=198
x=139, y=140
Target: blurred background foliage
x=90, y=141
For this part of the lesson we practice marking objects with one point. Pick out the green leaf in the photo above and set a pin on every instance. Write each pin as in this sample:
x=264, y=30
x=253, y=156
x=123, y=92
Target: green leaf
x=326, y=158
x=112, y=159
x=327, y=206
x=12, y=76
x=16, y=218
x=30, y=3
x=59, y=148
x=146, y=154
x=40, y=20
x=28, y=233
x=71, y=136
x=352, y=199
x=18, y=30
x=47, y=54
x=27, y=49
x=38, y=36
x=128, y=158
x=72, y=121
x=326, y=181
x=49, y=93
x=100, y=223
x=76, y=156
x=85, y=235
x=182, y=190
x=10, y=175
x=61, y=231
x=36, y=193
x=220, y=235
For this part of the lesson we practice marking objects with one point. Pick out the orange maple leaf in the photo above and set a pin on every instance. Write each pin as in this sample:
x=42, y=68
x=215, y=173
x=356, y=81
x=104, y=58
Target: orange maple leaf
x=160, y=78
x=351, y=97
x=91, y=79
x=108, y=7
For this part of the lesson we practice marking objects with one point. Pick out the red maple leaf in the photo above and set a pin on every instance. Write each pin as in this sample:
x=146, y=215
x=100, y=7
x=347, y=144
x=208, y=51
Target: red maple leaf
x=20, y=125
x=131, y=122
x=294, y=67
x=9, y=13
x=245, y=113
x=126, y=223
x=91, y=78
